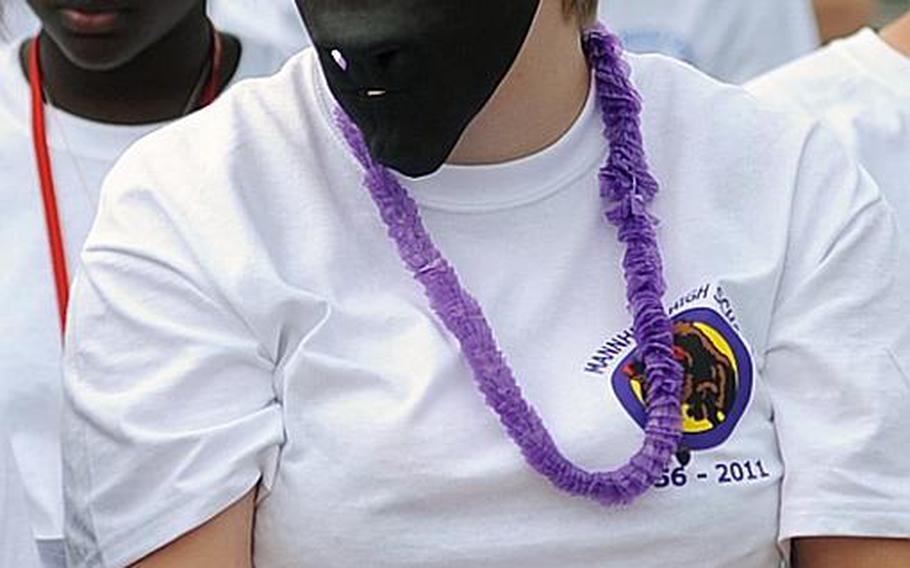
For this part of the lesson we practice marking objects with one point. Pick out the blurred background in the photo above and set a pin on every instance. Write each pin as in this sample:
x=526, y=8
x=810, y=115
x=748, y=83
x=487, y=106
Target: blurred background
x=889, y=9
x=732, y=40
x=737, y=40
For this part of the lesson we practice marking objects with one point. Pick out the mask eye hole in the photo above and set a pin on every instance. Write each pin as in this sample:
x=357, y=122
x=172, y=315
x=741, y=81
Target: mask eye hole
x=340, y=60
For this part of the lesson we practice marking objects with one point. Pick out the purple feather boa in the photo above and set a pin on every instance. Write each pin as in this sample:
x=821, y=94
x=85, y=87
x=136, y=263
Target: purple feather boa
x=627, y=189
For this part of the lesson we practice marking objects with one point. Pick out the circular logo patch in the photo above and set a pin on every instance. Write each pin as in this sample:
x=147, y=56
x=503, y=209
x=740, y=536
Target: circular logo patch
x=717, y=370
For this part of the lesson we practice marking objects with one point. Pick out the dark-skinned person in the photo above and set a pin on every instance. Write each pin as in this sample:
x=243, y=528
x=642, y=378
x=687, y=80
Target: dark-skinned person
x=266, y=22
x=98, y=76
x=467, y=285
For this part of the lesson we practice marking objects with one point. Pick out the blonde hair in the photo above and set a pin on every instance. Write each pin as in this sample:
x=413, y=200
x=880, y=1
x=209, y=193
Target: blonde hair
x=584, y=10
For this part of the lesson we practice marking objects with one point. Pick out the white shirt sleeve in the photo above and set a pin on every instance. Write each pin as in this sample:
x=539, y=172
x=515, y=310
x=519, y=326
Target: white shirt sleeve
x=837, y=357
x=171, y=412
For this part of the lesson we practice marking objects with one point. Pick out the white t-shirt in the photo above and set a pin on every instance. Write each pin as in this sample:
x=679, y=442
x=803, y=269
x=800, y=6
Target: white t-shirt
x=16, y=22
x=249, y=321
x=30, y=372
x=860, y=86
x=733, y=40
x=17, y=545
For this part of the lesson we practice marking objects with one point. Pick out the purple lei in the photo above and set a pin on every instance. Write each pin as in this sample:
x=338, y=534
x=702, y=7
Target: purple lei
x=627, y=188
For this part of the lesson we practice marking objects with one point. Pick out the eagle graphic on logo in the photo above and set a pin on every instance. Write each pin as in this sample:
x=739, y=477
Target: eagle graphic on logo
x=717, y=373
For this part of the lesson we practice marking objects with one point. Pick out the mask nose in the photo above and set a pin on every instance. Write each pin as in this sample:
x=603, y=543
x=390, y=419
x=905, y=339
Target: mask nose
x=378, y=65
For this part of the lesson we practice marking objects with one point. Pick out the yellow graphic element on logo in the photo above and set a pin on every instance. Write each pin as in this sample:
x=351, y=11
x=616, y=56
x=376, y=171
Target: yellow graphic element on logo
x=692, y=425
x=716, y=378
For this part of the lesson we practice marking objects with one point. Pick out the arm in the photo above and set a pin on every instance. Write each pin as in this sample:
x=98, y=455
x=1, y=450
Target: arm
x=172, y=413
x=852, y=553
x=224, y=542
x=898, y=34
x=856, y=552
x=838, y=18
x=836, y=366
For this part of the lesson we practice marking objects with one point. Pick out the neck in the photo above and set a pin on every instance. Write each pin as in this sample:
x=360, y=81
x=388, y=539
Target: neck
x=898, y=34
x=538, y=101
x=154, y=86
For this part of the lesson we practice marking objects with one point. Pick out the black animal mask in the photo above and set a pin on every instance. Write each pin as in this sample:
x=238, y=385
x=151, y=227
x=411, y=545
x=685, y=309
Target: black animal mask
x=413, y=73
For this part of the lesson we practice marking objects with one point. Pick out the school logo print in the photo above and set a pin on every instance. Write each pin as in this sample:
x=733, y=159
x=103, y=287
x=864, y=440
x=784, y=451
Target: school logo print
x=717, y=370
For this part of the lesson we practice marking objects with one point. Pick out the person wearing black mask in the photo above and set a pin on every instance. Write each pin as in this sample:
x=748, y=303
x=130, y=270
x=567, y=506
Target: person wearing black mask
x=417, y=310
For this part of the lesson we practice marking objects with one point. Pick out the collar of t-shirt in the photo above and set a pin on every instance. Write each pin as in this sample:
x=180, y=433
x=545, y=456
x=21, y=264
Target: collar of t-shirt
x=512, y=184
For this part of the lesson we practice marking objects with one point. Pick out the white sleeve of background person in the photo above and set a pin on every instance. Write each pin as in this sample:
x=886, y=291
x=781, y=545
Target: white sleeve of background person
x=860, y=87
x=837, y=373
x=163, y=380
x=731, y=40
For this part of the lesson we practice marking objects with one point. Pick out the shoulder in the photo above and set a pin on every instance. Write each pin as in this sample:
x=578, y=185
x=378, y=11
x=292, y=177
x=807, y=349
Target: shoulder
x=719, y=148
x=257, y=162
x=833, y=76
x=265, y=124
x=678, y=97
x=860, y=87
x=705, y=125
x=258, y=59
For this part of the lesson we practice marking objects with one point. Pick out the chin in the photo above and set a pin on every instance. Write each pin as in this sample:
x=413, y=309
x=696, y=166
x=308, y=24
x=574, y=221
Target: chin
x=413, y=161
x=412, y=169
x=96, y=53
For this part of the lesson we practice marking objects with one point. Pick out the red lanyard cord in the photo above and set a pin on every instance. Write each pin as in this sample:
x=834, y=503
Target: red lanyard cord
x=45, y=172
x=214, y=84
x=48, y=192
